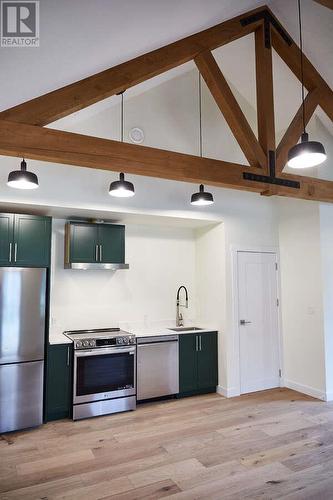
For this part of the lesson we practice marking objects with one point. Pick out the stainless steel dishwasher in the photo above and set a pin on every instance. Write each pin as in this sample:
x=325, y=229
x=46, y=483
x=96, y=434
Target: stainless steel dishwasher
x=157, y=366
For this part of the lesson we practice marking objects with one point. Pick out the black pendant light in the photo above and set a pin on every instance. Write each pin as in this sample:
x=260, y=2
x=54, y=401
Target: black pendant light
x=201, y=198
x=22, y=179
x=122, y=188
x=307, y=153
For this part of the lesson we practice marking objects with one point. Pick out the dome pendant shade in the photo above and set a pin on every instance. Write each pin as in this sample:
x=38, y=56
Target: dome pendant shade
x=202, y=197
x=306, y=154
x=121, y=188
x=22, y=179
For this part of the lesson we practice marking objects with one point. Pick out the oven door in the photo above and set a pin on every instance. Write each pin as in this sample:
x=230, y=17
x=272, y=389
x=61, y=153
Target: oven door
x=104, y=373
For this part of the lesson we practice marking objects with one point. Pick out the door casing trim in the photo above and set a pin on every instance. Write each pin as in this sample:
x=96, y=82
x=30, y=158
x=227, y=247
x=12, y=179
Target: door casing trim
x=234, y=250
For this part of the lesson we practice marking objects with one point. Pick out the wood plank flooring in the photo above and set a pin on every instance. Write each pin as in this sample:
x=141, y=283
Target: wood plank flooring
x=266, y=445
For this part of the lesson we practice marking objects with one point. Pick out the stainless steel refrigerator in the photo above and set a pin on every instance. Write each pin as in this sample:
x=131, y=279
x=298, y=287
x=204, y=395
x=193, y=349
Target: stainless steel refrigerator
x=22, y=337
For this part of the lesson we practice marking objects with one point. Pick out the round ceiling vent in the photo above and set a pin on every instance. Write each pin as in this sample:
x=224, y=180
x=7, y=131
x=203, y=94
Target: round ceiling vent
x=136, y=135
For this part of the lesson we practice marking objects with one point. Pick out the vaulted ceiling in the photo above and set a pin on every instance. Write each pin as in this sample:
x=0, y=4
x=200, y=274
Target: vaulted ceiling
x=105, y=38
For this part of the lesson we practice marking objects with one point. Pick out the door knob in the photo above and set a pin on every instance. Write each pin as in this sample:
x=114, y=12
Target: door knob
x=244, y=322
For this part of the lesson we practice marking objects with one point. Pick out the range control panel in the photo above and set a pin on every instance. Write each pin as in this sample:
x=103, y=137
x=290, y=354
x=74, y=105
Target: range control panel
x=104, y=342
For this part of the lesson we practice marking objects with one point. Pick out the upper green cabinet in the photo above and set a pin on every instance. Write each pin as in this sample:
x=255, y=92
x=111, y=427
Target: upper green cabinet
x=112, y=243
x=83, y=242
x=25, y=240
x=198, y=371
x=6, y=238
x=94, y=245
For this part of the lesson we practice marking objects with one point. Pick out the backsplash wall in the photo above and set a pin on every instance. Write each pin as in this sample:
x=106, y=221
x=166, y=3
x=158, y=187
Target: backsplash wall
x=160, y=260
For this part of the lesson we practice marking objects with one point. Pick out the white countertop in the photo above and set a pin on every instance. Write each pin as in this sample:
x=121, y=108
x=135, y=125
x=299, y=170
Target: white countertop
x=139, y=332
x=59, y=338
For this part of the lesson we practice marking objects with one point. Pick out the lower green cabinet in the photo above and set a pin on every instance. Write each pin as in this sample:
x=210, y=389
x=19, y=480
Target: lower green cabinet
x=198, y=372
x=58, y=381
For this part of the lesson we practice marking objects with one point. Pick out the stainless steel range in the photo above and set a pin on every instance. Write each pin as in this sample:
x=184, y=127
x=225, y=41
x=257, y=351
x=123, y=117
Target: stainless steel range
x=104, y=378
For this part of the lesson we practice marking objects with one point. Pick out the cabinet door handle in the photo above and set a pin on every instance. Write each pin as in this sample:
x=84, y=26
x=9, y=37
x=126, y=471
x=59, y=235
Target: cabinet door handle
x=15, y=252
x=100, y=253
x=196, y=343
x=10, y=252
x=96, y=253
x=68, y=357
x=200, y=346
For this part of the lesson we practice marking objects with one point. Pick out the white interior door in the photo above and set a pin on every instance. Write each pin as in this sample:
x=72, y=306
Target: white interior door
x=258, y=321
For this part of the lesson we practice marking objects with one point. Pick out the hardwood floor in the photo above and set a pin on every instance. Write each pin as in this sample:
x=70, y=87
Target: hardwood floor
x=272, y=444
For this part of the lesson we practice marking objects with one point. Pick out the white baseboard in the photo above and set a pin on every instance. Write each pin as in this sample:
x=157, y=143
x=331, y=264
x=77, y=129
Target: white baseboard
x=230, y=392
x=305, y=389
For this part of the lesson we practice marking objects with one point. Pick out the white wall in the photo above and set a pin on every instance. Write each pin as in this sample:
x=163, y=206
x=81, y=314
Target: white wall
x=326, y=240
x=302, y=297
x=160, y=259
x=248, y=222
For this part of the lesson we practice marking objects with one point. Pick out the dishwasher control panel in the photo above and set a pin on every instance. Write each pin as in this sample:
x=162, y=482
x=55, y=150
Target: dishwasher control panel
x=157, y=338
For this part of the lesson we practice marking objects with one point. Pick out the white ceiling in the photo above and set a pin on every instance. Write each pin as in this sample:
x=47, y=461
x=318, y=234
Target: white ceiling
x=80, y=38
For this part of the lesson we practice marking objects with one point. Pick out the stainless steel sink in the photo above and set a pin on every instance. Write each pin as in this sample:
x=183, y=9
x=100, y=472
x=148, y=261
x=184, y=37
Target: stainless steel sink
x=185, y=329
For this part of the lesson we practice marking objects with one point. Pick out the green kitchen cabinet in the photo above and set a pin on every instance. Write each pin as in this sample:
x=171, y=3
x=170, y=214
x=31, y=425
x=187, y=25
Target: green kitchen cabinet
x=82, y=241
x=112, y=243
x=188, y=364
x=207, y=361
x=25, y=240
x=93, y=243
x=32, y=241
x=58, y=396
x=6, y=238
x=198, y=369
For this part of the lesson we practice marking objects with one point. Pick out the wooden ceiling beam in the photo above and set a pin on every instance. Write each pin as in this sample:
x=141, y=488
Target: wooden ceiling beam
x=295, y=129
x=265, y=98
x=56, y=146
x=230, y=109
x=66, y=100
x=326, y=3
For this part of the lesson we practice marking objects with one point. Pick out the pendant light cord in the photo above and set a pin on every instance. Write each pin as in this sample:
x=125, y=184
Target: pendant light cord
x=301, y=59
x=200, y=117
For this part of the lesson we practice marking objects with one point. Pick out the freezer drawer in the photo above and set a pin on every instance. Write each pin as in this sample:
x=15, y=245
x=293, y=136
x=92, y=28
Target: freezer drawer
x=158, y=369
x=21, y=395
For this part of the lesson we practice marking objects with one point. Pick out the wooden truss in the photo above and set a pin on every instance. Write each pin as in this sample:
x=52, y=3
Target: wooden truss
x=22, y=131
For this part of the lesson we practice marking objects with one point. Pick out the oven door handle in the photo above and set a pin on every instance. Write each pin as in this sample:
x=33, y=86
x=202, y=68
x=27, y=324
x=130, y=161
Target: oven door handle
x=104, y=350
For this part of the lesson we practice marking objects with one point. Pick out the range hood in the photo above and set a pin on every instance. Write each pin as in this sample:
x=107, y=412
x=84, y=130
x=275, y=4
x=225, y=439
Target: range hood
x=95, y=265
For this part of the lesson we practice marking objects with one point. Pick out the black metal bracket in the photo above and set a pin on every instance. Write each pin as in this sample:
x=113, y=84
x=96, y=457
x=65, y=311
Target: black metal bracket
x=271, y=179
x=268, y=21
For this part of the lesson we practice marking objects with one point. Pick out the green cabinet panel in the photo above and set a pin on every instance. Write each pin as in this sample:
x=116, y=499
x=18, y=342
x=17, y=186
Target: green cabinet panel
x=32, y=241
x=25, y=240
x=94, y=243
x=6, y=238
x=188, y=370
x=83, y=243
x=112, y=243
x=58, y=381
x=198, y=372
x=207, y=360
